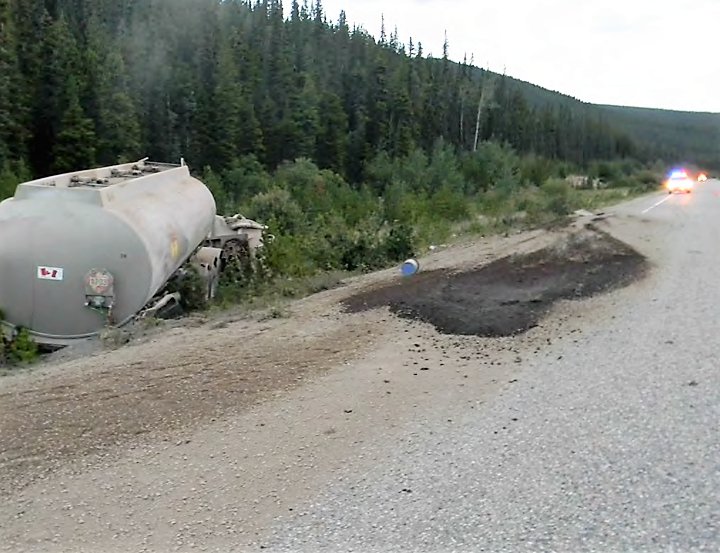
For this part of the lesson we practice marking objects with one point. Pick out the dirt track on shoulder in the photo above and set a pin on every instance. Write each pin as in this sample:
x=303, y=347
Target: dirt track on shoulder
x=177, y=382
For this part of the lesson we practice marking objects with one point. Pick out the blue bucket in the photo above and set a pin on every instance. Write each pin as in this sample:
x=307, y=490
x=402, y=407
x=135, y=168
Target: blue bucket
x=410, y=267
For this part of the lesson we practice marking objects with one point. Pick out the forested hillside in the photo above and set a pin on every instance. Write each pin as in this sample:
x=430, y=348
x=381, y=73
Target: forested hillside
x=684, y=137
x=675, y=136
x=352, y=149
x=94, y=81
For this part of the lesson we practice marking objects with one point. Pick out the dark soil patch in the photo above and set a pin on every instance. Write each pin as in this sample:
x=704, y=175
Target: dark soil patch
x=512, y=294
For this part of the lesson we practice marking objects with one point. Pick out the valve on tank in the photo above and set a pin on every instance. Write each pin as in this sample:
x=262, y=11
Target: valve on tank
x=100, y=291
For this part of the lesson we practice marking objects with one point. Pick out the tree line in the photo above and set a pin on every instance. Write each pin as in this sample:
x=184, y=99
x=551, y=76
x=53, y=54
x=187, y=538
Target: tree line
x=86, y=82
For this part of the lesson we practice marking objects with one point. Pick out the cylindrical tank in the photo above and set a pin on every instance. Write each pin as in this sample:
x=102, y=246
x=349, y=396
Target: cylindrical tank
x=136, y=224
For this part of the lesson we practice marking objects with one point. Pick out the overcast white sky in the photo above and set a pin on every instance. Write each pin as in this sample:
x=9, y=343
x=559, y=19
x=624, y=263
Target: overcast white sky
x=649, y=53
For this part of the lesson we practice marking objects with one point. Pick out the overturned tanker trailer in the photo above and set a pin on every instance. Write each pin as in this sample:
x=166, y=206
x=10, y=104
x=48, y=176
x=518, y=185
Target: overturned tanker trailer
x=84, y=250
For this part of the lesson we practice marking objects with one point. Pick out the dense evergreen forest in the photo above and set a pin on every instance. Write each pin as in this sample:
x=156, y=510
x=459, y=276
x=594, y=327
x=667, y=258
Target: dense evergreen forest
x=97, y=81
x=685, y=137
x=676, y=136
x=296, y=117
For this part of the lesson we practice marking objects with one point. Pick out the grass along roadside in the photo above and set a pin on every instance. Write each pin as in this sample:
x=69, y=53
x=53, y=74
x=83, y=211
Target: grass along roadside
x=528, y=210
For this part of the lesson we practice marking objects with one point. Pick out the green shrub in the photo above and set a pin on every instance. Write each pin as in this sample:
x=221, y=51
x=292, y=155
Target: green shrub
x=648, y=178
x=11, y=174
x=558, y=195
x=399, y=243
x=278, y=209
x=245, y=276
x=21, y=350
x=363, y=253
x=536, y=170
x=192, y=288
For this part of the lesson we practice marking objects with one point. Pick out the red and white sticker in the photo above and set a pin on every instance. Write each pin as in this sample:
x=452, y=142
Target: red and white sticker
x=50, y=273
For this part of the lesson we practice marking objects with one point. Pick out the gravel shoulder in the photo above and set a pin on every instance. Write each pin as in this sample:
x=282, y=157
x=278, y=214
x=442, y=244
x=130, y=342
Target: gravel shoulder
x=193, y=374
x=205, y=436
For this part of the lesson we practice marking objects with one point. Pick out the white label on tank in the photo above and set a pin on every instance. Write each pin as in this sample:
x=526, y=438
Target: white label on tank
x=50, y=273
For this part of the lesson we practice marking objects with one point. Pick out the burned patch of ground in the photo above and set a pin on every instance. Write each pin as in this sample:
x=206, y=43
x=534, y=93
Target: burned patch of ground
x=512, y=294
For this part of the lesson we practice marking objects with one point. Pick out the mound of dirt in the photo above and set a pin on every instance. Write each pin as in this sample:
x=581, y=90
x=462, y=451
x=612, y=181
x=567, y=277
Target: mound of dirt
x=512, y=294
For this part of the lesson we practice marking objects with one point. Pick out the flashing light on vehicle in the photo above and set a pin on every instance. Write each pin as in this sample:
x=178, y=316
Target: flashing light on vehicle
x=678, y=174
x=702, y=177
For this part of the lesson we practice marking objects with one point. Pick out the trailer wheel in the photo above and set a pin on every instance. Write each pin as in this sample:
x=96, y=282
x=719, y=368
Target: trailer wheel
x=236, y=247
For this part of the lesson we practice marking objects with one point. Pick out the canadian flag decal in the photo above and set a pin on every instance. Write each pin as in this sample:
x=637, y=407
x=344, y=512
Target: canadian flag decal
x=50, y=273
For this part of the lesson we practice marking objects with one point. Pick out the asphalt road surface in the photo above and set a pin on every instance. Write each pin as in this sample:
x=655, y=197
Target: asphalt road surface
x=597, y=431
x=612, y=445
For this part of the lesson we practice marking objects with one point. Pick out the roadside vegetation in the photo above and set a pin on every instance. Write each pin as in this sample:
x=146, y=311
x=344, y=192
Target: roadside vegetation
x=16, y=350
x=325, y=229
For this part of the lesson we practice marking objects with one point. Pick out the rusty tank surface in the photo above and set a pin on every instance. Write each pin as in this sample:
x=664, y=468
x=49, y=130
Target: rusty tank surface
x=84, y=250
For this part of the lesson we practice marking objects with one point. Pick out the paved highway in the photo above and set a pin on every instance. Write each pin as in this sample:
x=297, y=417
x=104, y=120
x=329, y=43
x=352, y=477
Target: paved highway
x=611, y=444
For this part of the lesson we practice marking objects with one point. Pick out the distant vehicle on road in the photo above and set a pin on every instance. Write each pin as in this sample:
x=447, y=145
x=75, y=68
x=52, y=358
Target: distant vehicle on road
x=702, y=177
x=679, y=181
